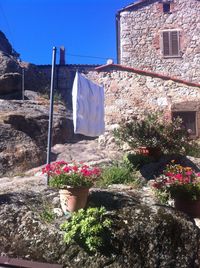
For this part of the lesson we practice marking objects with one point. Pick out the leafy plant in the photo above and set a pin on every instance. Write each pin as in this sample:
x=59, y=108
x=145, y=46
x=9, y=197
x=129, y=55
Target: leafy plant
x=117, y=174
x=47, y=215
x=136, y=161
x=63, y=174
x=154, y=131
x=88, y=227
x=57, y=96
x=193, y=148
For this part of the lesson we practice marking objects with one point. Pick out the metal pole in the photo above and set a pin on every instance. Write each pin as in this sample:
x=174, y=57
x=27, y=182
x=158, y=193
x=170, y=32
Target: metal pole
x=51, y=109
x=22, y=83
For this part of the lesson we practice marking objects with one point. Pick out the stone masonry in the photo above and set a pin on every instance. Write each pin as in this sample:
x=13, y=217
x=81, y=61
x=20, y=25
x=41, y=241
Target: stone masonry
x=140, y=27
x=130, y=94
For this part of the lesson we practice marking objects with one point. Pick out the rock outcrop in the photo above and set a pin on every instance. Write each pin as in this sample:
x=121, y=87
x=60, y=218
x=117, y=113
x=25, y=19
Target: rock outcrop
x=143, y=235
x=5, y=46
x=10, y=70
x=10, y=83
x=23, y=133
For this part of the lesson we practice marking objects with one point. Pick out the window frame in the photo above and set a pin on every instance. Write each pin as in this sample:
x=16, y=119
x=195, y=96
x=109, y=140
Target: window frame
x=170, y=55
x=168, y=4
x=174, y=115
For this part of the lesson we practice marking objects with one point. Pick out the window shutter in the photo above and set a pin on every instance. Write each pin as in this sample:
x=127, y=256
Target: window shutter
x=171, y=43
x=174, y=43
x=166, y=47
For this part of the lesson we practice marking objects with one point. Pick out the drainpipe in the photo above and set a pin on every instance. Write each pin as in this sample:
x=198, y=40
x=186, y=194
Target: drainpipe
x=118, y=38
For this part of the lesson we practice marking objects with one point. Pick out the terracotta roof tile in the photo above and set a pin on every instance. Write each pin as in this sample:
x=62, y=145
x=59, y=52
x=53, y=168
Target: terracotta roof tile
x=136, y=4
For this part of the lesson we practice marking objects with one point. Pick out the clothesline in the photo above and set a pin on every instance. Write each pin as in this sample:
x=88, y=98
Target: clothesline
x=88, y=107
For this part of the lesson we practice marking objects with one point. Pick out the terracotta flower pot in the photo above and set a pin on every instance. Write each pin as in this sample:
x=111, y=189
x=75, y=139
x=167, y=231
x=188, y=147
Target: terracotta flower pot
x=190, y=207
x=73, y=198
x=154, y=152
x=143, y=151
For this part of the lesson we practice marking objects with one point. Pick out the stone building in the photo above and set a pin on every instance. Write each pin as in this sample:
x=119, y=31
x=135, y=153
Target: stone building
x=161, y=36
x=133, y=92
x=158, y=64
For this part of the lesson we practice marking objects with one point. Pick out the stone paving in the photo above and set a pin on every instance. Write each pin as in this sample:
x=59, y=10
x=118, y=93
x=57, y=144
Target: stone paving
x=87, y=151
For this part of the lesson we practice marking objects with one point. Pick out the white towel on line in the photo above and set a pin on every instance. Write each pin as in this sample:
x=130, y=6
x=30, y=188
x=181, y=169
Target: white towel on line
x=88, y=107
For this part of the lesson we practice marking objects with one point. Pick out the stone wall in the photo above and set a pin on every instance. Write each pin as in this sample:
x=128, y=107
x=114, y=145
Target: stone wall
x=128, y=94
x=140, y=29
x=38, y=78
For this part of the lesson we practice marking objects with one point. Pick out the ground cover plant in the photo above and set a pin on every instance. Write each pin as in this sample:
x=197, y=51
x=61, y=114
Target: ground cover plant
x=119, y=173
x=90, y=228
x=136, y=161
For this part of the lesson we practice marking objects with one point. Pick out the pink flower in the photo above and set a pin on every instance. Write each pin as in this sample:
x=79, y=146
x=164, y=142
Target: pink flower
x=75, y=168
x=62, y=167
x=66, y=169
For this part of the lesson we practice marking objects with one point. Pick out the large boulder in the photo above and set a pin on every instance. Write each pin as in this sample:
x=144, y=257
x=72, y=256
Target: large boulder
x=5, y=45
x=8, y=64
x=10, y=70
x=10, y=83
x=23, y=133
x=143, y=235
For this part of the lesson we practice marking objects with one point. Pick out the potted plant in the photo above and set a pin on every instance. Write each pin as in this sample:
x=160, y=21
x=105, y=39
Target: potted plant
x=182, y=184
x=153, y=134
x=73, y=181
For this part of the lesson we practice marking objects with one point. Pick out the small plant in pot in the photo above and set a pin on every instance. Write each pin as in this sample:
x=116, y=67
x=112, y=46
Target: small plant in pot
x=73, y=181
x=182, y=184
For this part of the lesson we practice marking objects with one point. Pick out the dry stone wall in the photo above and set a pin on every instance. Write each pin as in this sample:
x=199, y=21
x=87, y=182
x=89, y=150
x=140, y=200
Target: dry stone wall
x=140, y=38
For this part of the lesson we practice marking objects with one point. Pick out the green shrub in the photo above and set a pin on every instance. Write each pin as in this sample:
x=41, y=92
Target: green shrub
x=89, y=228
x=193, y=148
x=57, y=96
x=117, y=174
x=136, y=161
x=154, y=131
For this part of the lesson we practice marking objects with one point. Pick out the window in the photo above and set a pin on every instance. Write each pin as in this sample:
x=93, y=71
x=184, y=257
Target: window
x=171, y=46
x=166, y=7
x=189, y=120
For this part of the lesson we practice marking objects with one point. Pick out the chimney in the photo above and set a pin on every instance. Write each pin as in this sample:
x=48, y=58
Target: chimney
x=110, y=61
x=62, y=55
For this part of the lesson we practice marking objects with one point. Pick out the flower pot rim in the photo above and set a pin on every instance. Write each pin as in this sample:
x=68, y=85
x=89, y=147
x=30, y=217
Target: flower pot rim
x=67, y=187
x=186, y=199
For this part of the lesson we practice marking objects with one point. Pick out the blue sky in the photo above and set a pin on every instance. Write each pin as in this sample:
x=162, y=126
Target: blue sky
x=84, y=27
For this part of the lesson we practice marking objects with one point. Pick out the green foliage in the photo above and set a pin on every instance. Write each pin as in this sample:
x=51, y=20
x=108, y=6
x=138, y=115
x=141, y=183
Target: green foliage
x=88, y=228
x=136, y=161
x=57, y=96
x=73, y=179
x=178, y=182
x=185, y=191
x=154, y=131
x=162, y=196
x=47, y=215
x=193, y=148
x=117, y=174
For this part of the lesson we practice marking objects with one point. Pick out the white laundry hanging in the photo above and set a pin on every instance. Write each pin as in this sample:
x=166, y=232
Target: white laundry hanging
x=88, y=107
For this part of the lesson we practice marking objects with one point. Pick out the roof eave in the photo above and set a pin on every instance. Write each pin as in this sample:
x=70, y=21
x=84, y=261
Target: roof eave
x=147, y=73
x=131, y=5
